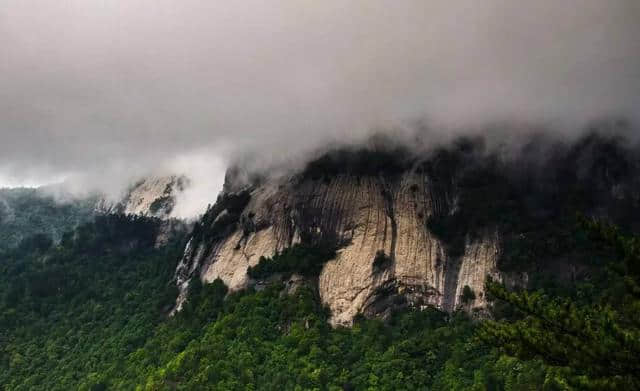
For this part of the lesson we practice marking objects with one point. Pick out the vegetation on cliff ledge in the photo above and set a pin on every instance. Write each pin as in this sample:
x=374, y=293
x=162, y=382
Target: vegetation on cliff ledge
x=304, y=260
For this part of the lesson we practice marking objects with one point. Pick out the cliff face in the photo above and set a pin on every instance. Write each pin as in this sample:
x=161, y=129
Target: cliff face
x=52, y=210
x=363, y=215
x=415, y=230
x=152, y=196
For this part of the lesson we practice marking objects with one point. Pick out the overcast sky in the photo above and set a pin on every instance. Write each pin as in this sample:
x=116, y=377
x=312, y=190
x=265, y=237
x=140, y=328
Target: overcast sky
x=103, y=90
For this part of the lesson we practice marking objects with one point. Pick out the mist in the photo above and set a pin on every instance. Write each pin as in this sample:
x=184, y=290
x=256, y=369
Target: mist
x=97, y=93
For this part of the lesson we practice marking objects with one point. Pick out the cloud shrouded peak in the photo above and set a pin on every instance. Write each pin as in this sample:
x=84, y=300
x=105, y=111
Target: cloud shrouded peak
x=107, y=90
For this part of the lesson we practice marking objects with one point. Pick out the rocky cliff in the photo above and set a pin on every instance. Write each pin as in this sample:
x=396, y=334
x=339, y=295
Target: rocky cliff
x=410, y=230
x=154, y=196
x=364, y=215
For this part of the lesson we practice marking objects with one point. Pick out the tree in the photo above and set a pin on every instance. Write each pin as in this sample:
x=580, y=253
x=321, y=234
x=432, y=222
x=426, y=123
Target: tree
x=468, y=295
x=595, y=345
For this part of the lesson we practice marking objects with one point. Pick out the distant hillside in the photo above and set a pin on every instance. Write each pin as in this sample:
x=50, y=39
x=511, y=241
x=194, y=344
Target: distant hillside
x=26, y=212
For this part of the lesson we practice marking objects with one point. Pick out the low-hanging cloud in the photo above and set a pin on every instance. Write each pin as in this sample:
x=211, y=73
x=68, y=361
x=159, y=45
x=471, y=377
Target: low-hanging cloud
x=102, y=91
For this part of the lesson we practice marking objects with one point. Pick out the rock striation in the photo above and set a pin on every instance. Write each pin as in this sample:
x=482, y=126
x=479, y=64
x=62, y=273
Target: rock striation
x=153, y=196
x=363, y=216
x=417, y=229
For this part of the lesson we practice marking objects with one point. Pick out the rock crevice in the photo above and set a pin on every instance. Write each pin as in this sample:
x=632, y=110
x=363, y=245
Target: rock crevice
x=361, y=215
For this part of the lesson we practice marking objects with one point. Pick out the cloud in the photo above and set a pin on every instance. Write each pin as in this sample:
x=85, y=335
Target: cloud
x=105, y=91
x=205, y=182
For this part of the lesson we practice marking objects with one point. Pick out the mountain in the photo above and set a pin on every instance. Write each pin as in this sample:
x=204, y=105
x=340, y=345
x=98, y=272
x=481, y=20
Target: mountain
x=26, y=212
x=51, y=211
x=153, y=196
x=418, y=229
x=365, y=269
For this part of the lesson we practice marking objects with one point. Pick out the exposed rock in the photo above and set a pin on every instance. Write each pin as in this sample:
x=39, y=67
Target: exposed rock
x=294, y=283
x=362, y=215
x=153, y=197
x=414, y=231
x=170, y=228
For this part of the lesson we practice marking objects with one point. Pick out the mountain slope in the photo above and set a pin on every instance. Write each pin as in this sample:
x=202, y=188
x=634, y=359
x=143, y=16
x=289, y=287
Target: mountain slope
x=443, y=220
x=28, y=212
x=91, y=312
x=154, y=196
x=50, y=211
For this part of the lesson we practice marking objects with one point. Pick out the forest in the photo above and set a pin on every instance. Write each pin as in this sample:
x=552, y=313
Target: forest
x=26, y=212
x=90, y=313
x=85, y=297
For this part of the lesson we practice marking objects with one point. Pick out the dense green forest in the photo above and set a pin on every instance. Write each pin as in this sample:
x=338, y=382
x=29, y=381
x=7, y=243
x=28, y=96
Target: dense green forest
x=26, y=211
x=89, y=313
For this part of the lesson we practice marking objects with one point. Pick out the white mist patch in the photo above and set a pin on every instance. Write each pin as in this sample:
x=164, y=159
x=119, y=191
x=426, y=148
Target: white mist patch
x=205, y=172
x=33, y=179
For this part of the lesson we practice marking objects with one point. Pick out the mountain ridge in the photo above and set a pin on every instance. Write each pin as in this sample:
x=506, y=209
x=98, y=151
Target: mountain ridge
x=444, y=219
x=52, y=211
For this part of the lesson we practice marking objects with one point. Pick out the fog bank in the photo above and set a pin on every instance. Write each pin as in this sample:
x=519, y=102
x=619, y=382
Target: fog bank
x=99, y=93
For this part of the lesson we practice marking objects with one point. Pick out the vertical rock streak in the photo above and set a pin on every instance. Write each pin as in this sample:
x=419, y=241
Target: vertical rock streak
x=363, y=216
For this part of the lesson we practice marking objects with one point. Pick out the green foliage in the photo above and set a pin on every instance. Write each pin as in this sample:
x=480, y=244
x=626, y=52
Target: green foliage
x=90, y=316
x=72, y=312
x=87, y=309
x=381, y=261
x=204, y=301
x=467, y=294
x=531, y=202
x=28, y=212
x=304, y=260
x=594, y=343
x=37, y=243
x=270, y=341
x=220, y=219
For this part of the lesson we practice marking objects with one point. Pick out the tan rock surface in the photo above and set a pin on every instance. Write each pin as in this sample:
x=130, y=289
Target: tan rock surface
x=365, y=215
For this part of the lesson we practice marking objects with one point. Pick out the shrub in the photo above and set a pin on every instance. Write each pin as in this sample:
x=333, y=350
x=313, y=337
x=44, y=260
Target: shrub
x=304, y=260
x=381, y=261
x=467, y=295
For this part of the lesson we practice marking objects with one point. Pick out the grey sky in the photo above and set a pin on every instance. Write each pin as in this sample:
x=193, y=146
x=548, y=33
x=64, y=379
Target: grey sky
x=105, y=90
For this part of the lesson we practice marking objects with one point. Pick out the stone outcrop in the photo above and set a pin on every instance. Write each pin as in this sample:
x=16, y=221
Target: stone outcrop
x=363, y=216
x=153, y=197
x=416, y=229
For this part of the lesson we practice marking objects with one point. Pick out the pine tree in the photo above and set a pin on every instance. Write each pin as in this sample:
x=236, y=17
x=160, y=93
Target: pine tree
x=592, y=346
